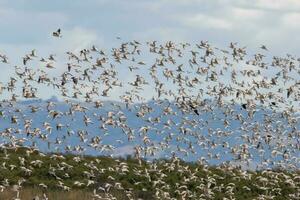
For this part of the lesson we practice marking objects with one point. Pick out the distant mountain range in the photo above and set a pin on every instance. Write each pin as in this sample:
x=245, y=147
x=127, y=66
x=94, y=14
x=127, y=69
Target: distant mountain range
x=211, y=135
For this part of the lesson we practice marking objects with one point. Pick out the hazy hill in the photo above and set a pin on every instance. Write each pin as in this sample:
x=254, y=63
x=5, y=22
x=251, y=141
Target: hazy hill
x=206, y=130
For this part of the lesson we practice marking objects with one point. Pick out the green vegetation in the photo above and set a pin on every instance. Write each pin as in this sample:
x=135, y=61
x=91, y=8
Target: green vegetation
x=123, y=178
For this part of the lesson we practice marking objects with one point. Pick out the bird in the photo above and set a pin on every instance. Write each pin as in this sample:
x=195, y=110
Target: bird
x=172, y=108
x=264, y=47
x=57, y=33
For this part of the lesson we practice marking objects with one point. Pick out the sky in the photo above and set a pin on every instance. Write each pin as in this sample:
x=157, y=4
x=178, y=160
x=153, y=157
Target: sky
x=271, y=22
x=28, y=24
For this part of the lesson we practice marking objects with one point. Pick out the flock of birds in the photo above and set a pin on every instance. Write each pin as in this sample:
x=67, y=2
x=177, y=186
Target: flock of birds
x=191, y=102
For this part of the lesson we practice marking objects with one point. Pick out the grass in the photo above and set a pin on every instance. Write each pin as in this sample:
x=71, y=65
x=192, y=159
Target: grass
x=30, y=192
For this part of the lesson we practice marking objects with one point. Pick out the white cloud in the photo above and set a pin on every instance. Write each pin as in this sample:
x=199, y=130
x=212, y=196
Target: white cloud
x=76, y=39
x=240, y=14
x=291, y=20
x=178, y=20
x=277, y=4
x=200, y=20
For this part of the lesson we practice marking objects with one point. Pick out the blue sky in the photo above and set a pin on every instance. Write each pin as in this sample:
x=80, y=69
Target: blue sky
x=28, y=24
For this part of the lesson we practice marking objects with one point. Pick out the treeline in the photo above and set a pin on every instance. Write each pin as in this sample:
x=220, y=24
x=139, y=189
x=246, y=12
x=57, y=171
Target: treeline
x=126, y=178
